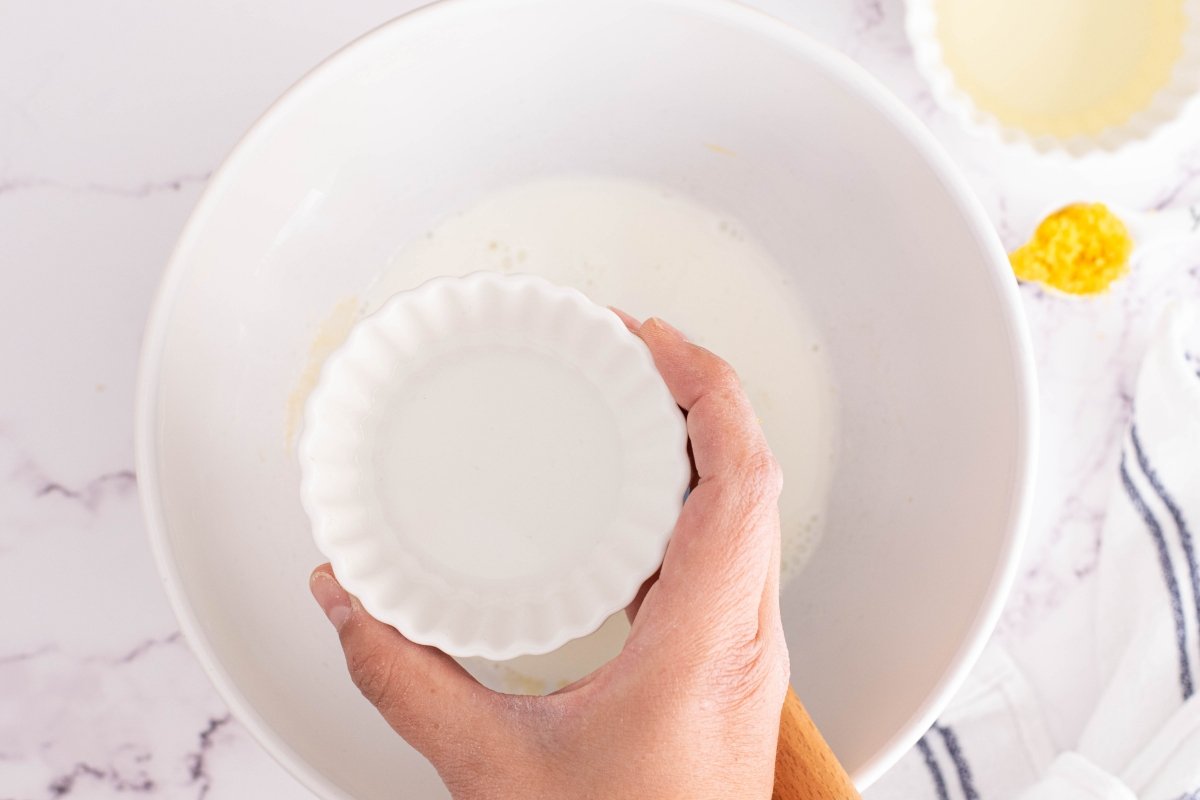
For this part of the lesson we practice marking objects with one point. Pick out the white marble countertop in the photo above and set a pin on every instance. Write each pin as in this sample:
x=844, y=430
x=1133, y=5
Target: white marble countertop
x=113, y=114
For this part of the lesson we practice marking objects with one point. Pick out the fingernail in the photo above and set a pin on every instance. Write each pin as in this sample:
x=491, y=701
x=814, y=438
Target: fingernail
x=666, y=326
x=332, y=598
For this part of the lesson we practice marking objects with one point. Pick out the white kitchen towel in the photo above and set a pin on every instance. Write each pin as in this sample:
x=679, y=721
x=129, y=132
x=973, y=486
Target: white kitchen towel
x=1142, y=739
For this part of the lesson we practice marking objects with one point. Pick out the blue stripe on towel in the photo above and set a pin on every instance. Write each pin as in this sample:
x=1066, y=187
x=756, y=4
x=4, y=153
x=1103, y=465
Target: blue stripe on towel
x=960, y=761
x=1164, y=560
x=1189, y=795
x=1185, y=535
x=935, y=772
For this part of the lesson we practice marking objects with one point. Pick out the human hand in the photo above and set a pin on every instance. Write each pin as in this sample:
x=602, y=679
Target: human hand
x=690, y=708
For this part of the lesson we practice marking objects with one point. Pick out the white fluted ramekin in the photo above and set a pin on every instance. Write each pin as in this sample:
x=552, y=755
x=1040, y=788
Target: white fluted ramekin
x=492, y=464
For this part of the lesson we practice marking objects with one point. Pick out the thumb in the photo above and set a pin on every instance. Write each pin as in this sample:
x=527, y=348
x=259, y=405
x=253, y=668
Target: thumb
x=421, y=692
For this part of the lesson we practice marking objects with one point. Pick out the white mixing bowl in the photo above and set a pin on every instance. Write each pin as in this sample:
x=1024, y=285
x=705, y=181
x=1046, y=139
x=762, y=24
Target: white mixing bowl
x=906, y=279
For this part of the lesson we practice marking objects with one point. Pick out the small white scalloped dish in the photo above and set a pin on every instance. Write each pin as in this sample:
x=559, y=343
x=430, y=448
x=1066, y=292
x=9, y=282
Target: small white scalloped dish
x=492, y=464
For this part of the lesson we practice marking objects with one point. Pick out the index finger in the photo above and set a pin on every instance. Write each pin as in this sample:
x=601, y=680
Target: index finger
x=721, y=567
x=726, y=435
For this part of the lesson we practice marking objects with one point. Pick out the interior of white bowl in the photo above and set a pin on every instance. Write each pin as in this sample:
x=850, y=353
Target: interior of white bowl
x=428, y=114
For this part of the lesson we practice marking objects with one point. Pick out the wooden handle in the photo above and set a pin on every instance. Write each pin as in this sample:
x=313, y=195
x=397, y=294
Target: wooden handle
x=805, y=767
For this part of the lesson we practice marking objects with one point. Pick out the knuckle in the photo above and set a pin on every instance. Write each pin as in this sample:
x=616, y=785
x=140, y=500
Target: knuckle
x=762, y=472
x=746, y=671
x=373, y=673
x=720, y=374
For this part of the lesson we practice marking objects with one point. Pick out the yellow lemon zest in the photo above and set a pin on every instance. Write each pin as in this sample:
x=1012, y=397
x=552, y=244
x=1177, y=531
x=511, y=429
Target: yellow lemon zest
x=1079, y=249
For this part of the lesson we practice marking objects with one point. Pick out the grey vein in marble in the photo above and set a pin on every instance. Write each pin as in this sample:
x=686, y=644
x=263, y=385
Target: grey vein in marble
x=198, y=759
x=92, y=493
